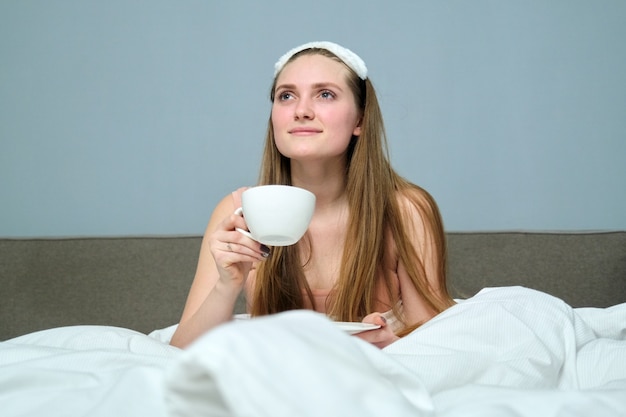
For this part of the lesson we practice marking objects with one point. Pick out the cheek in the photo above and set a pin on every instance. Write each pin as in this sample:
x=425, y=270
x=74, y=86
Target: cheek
x=344, y=122
x=279, y=115
x=277, y=119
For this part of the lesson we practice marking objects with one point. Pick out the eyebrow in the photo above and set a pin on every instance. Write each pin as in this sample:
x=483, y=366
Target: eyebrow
x=315, y=86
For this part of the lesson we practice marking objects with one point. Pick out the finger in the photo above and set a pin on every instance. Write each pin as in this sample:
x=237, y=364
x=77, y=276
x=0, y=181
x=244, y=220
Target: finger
x=255, y=251
x=375, y=318
x=381, y=320
x=238, y=221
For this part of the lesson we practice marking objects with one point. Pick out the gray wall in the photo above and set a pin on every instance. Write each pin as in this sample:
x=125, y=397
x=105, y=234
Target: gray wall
x=135, y=117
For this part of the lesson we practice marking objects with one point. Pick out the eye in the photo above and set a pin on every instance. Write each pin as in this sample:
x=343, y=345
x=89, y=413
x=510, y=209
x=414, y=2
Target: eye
x=284, y=95
x=327, y=94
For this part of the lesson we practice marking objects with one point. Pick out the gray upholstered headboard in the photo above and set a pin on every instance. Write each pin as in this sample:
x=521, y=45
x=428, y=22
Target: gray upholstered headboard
x=141, y=282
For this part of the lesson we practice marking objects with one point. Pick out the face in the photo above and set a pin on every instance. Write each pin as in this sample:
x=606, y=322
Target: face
x=314, y=114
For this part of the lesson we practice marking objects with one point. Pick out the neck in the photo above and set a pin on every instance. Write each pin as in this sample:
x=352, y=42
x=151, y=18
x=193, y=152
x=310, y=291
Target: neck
x=327, y=182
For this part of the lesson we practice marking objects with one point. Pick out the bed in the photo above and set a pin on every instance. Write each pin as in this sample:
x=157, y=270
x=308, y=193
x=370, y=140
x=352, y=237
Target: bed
x=539, y=330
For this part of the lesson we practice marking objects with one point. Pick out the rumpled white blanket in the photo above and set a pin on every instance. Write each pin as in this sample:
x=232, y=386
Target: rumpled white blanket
x=93, y=371
x=504, y=352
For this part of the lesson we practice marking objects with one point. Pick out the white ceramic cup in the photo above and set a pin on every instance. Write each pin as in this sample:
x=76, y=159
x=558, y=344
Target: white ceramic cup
x=277, y=215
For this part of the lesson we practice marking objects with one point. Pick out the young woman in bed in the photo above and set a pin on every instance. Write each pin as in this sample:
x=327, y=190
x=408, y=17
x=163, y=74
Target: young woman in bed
x=375, y=248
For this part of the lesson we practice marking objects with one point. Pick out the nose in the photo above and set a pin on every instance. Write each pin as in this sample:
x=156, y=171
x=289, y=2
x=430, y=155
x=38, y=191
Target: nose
x=304, y=110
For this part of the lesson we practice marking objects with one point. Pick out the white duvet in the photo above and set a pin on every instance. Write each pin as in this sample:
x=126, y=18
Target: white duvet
x=504, y=352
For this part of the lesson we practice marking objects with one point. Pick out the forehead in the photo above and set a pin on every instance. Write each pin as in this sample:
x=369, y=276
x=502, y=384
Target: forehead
x=313, y=68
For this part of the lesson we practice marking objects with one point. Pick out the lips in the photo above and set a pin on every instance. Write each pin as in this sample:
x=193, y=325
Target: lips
x=304, y=131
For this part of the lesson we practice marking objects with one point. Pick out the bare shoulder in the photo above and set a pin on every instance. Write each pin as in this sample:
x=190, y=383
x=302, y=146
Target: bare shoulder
x=419, y=214
x=414, y=194
x=416, y=201
x=226, y=206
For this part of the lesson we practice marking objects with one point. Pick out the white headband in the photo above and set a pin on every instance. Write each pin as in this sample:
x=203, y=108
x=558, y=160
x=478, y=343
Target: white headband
x=347, y=56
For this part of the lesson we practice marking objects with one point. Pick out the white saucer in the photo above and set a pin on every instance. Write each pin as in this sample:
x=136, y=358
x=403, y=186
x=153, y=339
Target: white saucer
x=356, y=327
x=346, y=326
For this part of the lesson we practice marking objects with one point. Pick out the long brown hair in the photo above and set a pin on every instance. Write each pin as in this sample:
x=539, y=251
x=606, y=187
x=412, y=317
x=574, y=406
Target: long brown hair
x=375, y=214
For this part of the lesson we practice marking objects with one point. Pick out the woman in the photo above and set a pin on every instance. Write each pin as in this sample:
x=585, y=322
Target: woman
x=375, y=248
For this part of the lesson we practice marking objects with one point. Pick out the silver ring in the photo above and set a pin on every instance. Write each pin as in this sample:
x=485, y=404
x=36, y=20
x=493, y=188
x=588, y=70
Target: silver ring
x=230, y=249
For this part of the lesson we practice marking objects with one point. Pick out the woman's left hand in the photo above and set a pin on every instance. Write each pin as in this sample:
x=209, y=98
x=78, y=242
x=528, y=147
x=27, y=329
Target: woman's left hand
x=380, y=337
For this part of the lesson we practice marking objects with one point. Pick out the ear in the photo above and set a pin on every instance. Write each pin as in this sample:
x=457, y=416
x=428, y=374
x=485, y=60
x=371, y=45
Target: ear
x=357, y=128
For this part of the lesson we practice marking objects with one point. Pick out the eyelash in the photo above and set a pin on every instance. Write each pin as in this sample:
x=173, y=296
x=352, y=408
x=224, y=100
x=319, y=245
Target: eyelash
x=283, y=96
x=330, y=93
x=286, y=95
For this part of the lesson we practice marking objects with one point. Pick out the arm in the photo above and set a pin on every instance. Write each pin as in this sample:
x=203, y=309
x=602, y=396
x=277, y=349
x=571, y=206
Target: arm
x=226, y=257
x=424, y=232
x=422, y=299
